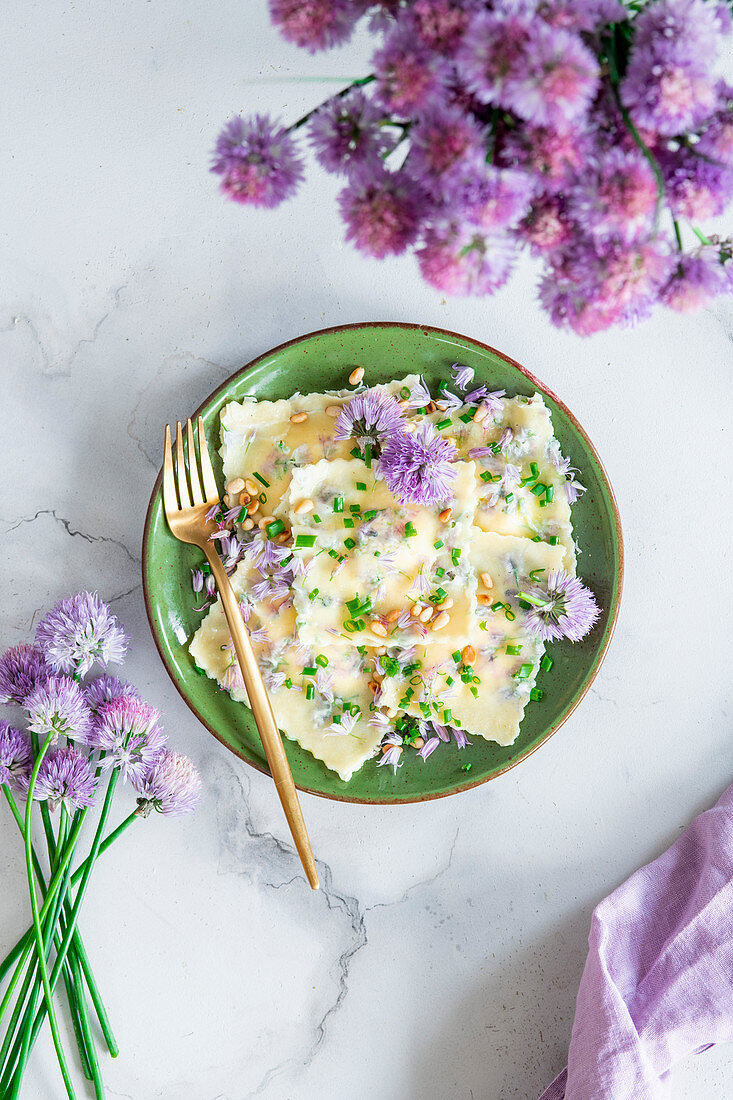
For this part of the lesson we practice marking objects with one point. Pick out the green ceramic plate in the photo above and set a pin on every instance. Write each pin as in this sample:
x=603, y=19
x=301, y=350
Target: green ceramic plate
x=320, y=361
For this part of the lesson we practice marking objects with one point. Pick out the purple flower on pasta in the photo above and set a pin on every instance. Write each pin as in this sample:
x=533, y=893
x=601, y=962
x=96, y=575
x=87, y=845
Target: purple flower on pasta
x=343, y=727
x=128, y=732
x=346, y=131
x=104, y=690
x=315, y=24
x=494, y=404
x=22, y=669
x=408, y=74
x=65, y=778
x=419, y=395
x=258, y=162
x=564, y=608
x=369, y=418
x=16, y=758
x=448, y=402
x=616, y=197
x=428, y=747
x=392, y=743
x=473, y=397
x=383, y=211
x=231, y=677
x=58, y=707
x=510, y=479
x=694, y=282
x=172, y=786
x=417, y=467
x=79, y=631
x=457, y=259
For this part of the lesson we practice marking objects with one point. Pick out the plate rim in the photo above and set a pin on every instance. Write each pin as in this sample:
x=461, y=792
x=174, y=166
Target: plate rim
x=542, y=388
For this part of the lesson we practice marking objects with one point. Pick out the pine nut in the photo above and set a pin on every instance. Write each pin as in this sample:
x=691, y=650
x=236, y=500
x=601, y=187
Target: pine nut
x=393, y=615
x=430, y=406
x=303, y=506
x=484, y=600
x=442, y=620
x=451, y=439
x=445, y=604
x=235, y=485
x=418, y=743
x=486, y=580
x=380, y=650
x=356, y=376
x=265, y=520
x=227, y=500
x=378, y=628
x=403, y=404
x=386, y=748
x=468, y=655
x=445, y=515
x=283, y=537
x=481, y=413
x=253, y=507
x=252, y=487
x=373, y=686
x=333, y=410
x=248, y=524
x=426, y=614
x=415, y=610
x=391, y=712
x=298, y=418
x=244, y=498
x=377, y=677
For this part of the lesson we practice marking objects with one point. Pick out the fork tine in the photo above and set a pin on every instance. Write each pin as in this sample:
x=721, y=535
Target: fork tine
x=193, y=466
x=206, y=469
x=181, y=469
x=170, y=500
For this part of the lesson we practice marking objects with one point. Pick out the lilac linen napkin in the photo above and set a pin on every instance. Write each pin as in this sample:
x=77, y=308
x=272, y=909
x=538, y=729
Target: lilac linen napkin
x=658, y=981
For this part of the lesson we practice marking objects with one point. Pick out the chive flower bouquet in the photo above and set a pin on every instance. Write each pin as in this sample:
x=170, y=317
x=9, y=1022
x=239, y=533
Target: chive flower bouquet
x=595, y=134
x=82, y=735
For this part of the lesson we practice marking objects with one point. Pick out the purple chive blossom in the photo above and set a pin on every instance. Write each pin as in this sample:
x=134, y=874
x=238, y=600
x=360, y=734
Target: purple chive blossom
x=695, y=281
x=509, y=480
x=380, y=721
x=449, y=402
x=489, y=198
x=617, y=196
x=258, y=162
x=171, y=786
x=231, y=677
x=209, y=517
x=460, y=737
x=65, y=778
x=443, y=138
x=270, y=588
x=494, y=404
x=408, y=74
x=441, y=23
x=457, y=259
x=696, y=187
x=430, y=746
x=573, y=489
x=22, y=669
x=419, y=396
x=197, y=580
x=547, y=225
x=16, y=758
x=474, y=396
x=264, y=553
x=104, y=690
x=417, y=467
x=480, y=452
x=245, y=606
x=346, y=132
x=59, y=707
x=210, y=586
x=505, y=439
x=392, y=756
x=552, y=157
x=565, y=608
x=382, y=210
x=78, y=631
x=128, y=732
x=342, y=728
x=369, y=417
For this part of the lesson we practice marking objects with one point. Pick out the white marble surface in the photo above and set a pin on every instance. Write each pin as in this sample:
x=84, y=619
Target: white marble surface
x=442, y=956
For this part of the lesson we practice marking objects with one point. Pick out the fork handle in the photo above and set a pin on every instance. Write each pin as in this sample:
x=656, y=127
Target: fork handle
x=263, y=716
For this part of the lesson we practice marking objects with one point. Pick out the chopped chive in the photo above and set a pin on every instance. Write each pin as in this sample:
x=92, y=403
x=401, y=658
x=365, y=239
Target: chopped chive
x=509, y=497
x=538, y=489
x=355, y=452
x=354, y=509
x=336, y=718
x=533, y=575
x=333, y=554
x=205, y=568
x=455, y=556
x=262, y=498
x=361, y=485
x=466, y=767
x=535, y=469
x=415, y=680
x=312, y=594
x=536, y=538
x=543, y=503
x=440, y=572
x=438, y=545
x=509, y=613
x=486, y=476
x=466, y=417
x=482, y=625
x=288, y=683
x=349, y=543
x=456, y=655
x=338, y=504
x=497, y=606
x=368, y=456
x=404, y=393
x=310, y=670
x=377, y=553
x=425, y=709
x=275, y=528
x=199, y=670
x=525, y=672
x=310, y=691
x=410, y=531
x=443, y=423
x=546, y=663
x=449, y=681
x=549, y=494
x=261, y=479
x=355, y=604
x=371, y=514
x=422, y=411
x=524, y=605
x=409, y=669
x=305, y=540
x=474, y=691
x=514, y=650
x=350, y=626
x=317, y=519
x=536, y=694
x=348, y=522
x=553, y=540
x=466, y=677
x=409, y=694
x=447, y=715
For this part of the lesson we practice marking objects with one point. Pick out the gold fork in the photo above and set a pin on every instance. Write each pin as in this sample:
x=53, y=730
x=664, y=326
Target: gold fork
x=187, y=521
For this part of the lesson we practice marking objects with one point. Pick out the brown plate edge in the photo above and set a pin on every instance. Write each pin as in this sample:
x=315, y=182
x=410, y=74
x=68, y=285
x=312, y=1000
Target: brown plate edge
x=611, y=626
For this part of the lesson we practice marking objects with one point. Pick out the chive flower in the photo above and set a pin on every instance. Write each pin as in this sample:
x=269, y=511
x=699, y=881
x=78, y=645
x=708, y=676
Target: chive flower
x=128, y=732
x=65, y=778
x=22, y=669
x=59, y=707
x=172, y=786
x=78, y=631
x=16, y=758
x=565, y=608
x=370, y=418
x=417, y=467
